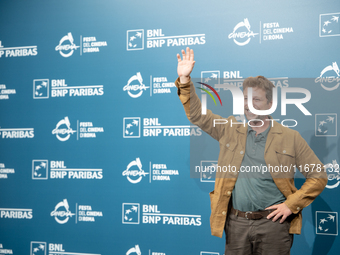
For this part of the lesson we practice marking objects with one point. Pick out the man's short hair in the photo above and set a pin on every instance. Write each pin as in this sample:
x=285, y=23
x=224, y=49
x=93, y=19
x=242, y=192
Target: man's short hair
x=260, y=82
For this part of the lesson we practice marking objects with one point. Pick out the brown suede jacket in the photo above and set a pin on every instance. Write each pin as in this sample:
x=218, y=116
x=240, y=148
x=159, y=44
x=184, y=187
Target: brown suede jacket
x=284, y=147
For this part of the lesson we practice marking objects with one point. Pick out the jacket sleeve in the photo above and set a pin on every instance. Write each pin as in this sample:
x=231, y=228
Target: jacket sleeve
x=316, y=177
x=192, y=107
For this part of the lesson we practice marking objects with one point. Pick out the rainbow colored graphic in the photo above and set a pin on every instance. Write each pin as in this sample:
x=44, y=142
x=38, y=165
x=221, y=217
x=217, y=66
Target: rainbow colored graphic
x=208, y=92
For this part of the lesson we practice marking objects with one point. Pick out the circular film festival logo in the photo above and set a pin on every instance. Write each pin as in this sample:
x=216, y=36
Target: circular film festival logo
x=63, y=134
x=134, y=250
x=136, y=175
x=66, y=50
x=330, y=75
x=137, y=88
x=242, y=31
x=62, y=216
x=333, y=175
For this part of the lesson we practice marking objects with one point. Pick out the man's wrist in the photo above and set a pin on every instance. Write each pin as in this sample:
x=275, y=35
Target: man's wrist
x=184, y=79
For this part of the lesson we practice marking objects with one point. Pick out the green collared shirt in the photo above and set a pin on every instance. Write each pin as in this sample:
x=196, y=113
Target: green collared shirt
x=255, y=190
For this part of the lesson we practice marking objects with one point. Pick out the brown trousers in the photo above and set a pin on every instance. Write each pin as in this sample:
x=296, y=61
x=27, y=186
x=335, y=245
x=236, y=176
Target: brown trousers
x=263, y=236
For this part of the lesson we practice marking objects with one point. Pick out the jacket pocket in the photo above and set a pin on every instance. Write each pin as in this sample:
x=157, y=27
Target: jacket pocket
x=229, y=150
x=286, y=159
x=285, y=155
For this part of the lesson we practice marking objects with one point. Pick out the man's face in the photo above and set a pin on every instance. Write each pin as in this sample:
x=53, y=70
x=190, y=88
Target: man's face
x=259, y=103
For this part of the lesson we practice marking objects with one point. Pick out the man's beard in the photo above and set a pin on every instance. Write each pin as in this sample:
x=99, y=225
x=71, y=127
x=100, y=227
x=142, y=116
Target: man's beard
x=254, y=117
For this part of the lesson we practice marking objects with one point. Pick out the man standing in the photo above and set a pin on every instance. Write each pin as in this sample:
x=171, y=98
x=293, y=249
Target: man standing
x=246, y=205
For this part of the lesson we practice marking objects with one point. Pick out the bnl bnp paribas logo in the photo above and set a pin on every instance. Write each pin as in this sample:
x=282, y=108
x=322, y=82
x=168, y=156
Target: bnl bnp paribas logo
x=21, y=51
x=326, y=124
x=87, y=44
x=155, y=38
x=152, y=127
x=16, y=213
x=59, y=88
x=38, y=248
x=208, y=170
x=151, y=214
x=59, y=170
x=326, y=223
x=329, y=24
x=10, y=133
x=41, y=248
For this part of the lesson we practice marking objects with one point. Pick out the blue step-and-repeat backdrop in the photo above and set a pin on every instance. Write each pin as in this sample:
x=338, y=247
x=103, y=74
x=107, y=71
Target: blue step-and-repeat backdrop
x=95, y=147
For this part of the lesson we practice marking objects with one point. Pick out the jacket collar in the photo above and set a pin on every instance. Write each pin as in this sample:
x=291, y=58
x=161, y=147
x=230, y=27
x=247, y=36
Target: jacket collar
x=276, y=127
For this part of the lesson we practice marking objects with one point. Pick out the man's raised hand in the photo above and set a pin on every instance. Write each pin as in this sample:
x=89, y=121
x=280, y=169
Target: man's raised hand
x=185, y=65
